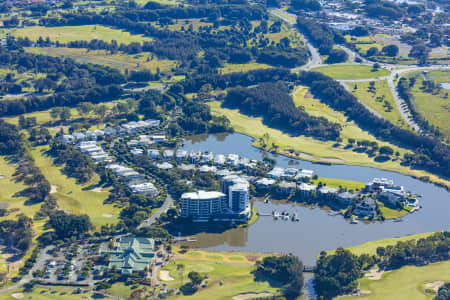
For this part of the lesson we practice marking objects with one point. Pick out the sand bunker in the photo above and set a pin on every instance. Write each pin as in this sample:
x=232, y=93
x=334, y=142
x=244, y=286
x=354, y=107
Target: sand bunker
x=53, y=189
x=374, y=274
x=251, y=296
x=107, y=215
x=17, y=296
x=1, y=176
x=164, y=275
x=435, y=285
x=97, y=189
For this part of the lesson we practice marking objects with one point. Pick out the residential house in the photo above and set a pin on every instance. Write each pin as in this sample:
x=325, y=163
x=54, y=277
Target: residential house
x=346, y=198
x=304, y=174
x=67, y=139
x=289, y=172
x=306, y=191
x=327, y=193
x=181, y=155
x=366, y=208
x=168, y=154
x=393, y=195
x=275, y=173
x=145, y=188
x=219, y=159
x=286, y=187
x=136, y=152
x=264, y=184
x=153, y=154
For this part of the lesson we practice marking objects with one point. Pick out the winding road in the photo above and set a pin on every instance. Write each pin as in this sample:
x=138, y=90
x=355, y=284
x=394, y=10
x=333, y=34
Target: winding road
x=397, y=71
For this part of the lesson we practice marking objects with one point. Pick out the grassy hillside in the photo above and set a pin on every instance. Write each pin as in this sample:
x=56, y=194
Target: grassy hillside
x=406, y=283
x=351, y=72
x=380, y=99
x=66, y=34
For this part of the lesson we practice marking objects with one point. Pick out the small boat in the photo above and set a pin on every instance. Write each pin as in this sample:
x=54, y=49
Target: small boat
x=286, y=217
x=266, y=200
x=354, y=221
x=397, y=220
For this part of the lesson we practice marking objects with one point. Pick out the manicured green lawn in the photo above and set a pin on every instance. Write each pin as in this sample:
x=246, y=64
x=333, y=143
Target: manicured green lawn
x=66, y=34
x=371, y=247
x=390, y=213
x=9, y=189
x=49, y=293
x=231, y=68
x=308, y=148
x=236, y=279
x=119, y=61
x=336, y=183
x=376, y=100
x=435, y=108
x=76, y=198
x=349, y=72
x=406, y=283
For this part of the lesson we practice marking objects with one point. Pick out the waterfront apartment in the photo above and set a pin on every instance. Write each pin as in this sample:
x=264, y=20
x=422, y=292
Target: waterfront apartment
x=202, y=205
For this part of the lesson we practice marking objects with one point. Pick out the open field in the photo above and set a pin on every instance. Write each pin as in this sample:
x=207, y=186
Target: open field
x=119, y=61
x=308, y=148
x=434, y=107
x=49, y=293
x=406, y=283
x=371, y=247
x=351, y=72
x=9, y=189
x=65, y=34
x=236, y=279
x=376, y=100
x=231, y=68
x=389, y=213
x=73, y=197
x=336, y=183
x=221, y=257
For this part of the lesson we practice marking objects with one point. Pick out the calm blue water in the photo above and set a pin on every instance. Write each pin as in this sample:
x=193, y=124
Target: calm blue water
x=317, y=230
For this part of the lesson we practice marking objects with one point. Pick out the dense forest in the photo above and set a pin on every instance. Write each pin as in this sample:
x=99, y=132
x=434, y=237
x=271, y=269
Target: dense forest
x=273, y=101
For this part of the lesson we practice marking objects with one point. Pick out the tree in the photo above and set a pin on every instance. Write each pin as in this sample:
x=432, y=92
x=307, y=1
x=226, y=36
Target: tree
x=373, y=51
x=65, y=114
x=390, y=50
x=101, y=110
x=420, y=52
x=85, y=107
x=55, y=112
x=195, y=278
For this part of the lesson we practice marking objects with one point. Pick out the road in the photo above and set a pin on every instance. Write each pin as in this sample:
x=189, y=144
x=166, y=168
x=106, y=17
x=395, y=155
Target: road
x=315, y=58
x=39, y=265
x=168, y=203
x=396, y=73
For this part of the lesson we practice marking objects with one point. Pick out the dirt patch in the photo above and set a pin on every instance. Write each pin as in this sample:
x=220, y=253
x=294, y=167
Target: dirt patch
x=164, y=275
x=107, y=215
x=53, y=189
x=375, y=274
x=97, y=189
x=4, y=205
x=251, y=296
x=17, y=296
x=1, y=176
x=435, y=285
x=251, y=258
x=310, y=157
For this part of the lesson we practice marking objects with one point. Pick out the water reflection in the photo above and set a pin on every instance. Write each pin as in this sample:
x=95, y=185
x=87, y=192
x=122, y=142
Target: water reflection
x=317, y=230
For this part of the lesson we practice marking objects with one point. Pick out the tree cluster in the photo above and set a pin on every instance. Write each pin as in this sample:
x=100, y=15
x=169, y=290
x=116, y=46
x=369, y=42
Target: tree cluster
x=429, y=153
x=288, y=270
x=274, y=102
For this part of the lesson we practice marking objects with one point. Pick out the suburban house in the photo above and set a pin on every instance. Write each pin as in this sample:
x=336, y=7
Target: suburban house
x=153, y=153
x=346, y=198
x=394, y=195
x=327, y=193
x=366, y=208
x=289, y=172
x=130, y=254
x=275, y=173
x=264, y=183
x=304, y=174
x=306, y=190
x=286, y=187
